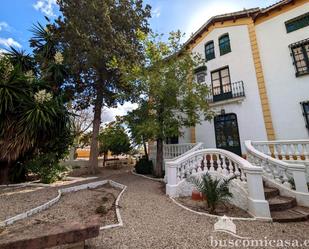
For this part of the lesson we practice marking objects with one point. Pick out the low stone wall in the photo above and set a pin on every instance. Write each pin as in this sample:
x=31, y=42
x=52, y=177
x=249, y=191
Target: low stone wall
x=72, y=235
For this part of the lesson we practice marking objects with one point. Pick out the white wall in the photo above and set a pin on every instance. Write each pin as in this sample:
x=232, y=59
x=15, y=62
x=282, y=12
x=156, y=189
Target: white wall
x=241, y=66
x=285, y=90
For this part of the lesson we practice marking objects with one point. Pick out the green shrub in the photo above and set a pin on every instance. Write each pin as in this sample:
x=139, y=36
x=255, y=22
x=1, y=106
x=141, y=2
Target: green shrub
x=46, y=166
x=144, y=166
x=215, y=190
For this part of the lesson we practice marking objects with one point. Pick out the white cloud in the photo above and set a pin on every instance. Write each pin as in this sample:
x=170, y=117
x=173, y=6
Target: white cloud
x=205, y=12
x=4, y=26
x=156, y=12
x=2, y=51
x=9, y=42
x=109, y=114
x=46, y=6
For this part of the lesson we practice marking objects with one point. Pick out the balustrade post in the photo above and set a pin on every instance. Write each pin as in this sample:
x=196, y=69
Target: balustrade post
x=299, y=175
x=258, y=206
x=171, y=179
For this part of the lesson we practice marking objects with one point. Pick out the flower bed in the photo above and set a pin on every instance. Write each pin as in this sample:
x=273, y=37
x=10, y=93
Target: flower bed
x=80, y=206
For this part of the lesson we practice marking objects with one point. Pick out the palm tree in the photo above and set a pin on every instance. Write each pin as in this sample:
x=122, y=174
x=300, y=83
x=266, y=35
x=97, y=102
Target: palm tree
x=215, y=190
x=21, y=58
x=29, y=116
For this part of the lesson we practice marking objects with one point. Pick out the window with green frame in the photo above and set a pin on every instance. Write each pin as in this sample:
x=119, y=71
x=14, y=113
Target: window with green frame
x=305, y=107
x=209, y=51
x=297, y=23
x=224, y=44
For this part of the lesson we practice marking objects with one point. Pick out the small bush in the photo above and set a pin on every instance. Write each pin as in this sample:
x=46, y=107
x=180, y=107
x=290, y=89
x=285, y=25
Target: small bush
x=102, y=210
x=144, y=166
x=46, y=167
x=104, y=199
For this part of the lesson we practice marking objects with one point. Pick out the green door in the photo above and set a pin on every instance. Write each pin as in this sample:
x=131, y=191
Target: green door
x=227, y=134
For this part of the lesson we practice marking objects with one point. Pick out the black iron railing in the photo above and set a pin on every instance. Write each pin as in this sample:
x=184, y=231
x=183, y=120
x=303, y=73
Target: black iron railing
x=226, y=91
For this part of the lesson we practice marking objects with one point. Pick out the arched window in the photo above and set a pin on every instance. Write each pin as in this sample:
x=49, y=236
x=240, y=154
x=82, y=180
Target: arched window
x=224, y=44
x=209, y=51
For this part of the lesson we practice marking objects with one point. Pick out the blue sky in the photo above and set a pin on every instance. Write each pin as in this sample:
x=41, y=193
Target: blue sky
x=17, y=16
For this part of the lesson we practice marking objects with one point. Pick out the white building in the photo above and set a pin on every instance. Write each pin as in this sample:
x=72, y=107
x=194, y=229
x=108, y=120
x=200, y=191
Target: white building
x=258, y=71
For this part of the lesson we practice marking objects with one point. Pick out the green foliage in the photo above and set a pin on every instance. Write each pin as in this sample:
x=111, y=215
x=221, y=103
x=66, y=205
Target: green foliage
x=47, y=167
x=114, y=139
x=169, y=97
x=215, y=190
x=35, y=125
x=144, y=166
x=91, y=39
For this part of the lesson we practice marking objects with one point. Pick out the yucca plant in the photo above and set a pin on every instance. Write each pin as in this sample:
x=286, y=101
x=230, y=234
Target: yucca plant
x=215, y=190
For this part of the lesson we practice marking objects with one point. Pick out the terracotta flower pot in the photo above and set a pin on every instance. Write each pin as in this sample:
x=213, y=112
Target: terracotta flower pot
x=196, y=195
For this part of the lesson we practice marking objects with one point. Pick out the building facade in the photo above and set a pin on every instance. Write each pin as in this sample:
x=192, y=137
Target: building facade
x=257, y=68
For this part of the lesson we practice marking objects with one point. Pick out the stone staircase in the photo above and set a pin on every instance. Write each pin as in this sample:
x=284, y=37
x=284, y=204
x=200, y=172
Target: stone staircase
x=284, y=209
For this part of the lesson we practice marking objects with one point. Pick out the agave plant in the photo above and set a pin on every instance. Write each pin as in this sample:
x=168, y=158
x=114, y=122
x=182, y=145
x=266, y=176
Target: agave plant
x=216, y=190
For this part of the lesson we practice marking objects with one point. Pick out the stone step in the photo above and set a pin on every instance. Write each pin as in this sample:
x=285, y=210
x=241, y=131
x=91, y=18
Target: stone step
x=270, y=192
x=295, y=214
x=281, y=203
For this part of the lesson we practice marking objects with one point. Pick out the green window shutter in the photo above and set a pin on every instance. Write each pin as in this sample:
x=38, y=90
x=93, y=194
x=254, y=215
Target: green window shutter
x=297, y=23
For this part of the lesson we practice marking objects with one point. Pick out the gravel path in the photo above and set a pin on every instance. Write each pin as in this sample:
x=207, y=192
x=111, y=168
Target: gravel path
x=152, y=220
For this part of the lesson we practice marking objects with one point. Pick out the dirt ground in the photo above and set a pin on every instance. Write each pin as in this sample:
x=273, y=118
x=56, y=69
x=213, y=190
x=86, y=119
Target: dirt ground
x=222, y=209
x=81, y=206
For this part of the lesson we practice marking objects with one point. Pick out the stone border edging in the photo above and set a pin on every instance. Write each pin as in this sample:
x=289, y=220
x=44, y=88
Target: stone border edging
x=120, y=222
x=30, y=212
x=147, y=177
x=36, y=183
x=51, y=202
x=218, y=216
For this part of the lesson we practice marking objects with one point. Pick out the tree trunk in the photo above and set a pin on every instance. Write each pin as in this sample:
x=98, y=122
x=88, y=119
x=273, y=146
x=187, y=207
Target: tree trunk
x=72, y=153
x=104, y=158
x=4, y=172
x=159, y=163
x=94, y=150
x=145, y=150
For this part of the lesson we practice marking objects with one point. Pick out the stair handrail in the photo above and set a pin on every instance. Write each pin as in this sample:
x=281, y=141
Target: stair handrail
x=278, y=170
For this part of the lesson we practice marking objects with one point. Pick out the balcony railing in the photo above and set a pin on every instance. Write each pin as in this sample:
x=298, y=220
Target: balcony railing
x=226, y=91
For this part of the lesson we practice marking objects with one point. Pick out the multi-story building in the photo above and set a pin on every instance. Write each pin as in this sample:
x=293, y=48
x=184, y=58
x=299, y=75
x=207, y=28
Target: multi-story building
x=257, y=67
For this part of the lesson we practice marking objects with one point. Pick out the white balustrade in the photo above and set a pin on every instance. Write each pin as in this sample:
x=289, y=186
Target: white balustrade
x=226, y=164
x=266, y=156
x=286, y=150
x=170, y=151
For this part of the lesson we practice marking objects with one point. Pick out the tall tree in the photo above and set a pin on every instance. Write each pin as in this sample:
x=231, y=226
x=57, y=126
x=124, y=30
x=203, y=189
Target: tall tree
x=94, y=34
x=169, y=94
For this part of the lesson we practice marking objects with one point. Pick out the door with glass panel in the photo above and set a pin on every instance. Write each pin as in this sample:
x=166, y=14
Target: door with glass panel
x=227, y=134
x=221, y=84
